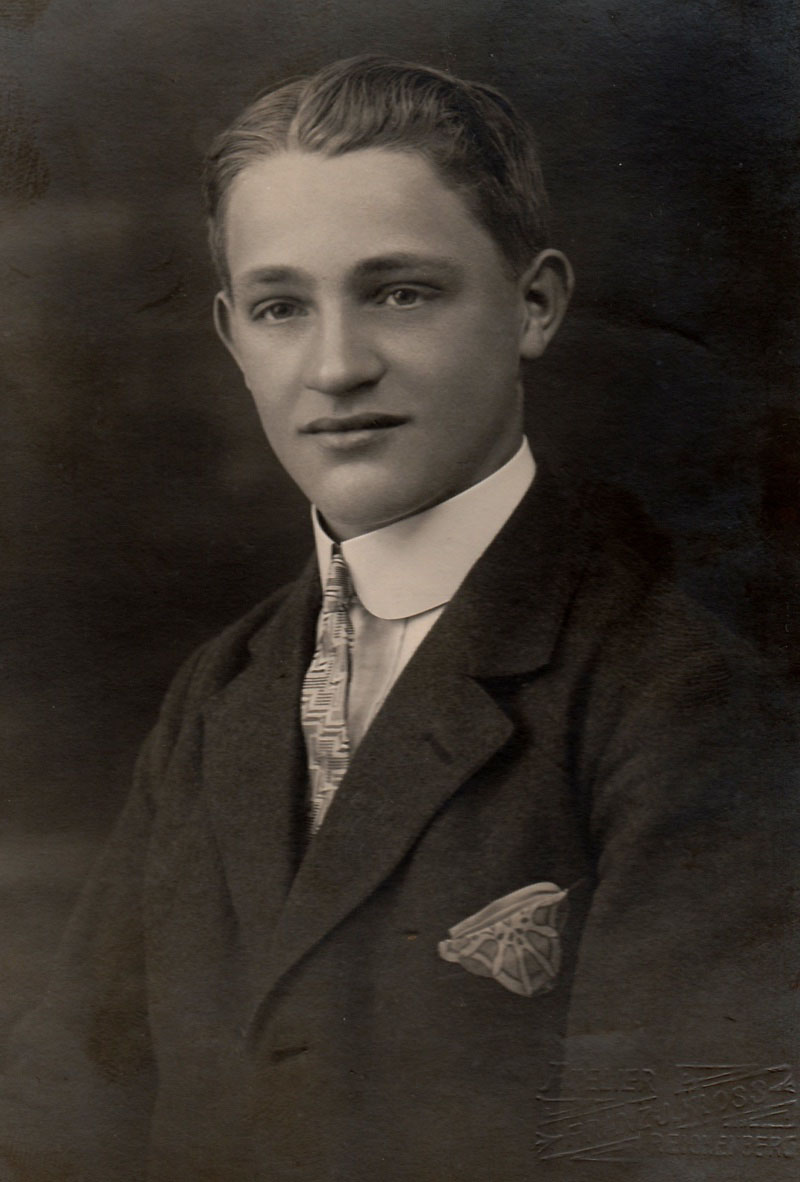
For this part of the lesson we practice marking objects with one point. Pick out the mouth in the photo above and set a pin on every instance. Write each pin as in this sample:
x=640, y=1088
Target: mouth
x=343, y=425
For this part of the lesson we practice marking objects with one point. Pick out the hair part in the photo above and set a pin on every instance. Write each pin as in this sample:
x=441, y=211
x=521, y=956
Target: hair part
x=468, y=132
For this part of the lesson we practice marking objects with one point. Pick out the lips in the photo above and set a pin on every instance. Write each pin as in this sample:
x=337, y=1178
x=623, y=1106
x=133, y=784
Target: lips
x=359, y=422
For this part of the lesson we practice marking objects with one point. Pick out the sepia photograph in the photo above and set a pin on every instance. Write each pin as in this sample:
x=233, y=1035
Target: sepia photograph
x=400, y=579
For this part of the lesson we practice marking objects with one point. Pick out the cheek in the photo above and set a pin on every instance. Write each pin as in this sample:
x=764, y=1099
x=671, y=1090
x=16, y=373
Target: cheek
x=259, y=354
x=472, y=378
x=462, y=345
x=266, y=377
x=272, y=411
x=277, y=426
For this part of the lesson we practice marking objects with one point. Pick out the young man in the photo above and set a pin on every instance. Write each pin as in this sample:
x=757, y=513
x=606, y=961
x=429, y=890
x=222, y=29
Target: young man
x=479, y=798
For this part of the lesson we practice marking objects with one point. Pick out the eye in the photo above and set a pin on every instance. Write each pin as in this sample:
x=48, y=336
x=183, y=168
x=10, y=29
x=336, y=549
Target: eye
x=277, y=310
x=403, y=297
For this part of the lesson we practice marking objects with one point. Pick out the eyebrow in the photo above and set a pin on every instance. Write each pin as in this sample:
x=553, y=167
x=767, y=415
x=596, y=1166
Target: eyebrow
x=272, y=275
x=386, y=264
x=365, y=269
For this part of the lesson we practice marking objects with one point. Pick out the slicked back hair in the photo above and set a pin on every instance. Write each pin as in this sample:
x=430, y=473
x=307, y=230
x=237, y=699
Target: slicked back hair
x=468, y=132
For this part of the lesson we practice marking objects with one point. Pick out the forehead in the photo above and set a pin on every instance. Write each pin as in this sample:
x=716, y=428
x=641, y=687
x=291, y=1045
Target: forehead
x=324, y=214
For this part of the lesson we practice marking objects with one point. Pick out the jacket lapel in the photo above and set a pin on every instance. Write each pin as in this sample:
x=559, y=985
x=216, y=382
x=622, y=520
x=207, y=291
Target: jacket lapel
x=254, y=767
x=435, y=732
x=440, y=723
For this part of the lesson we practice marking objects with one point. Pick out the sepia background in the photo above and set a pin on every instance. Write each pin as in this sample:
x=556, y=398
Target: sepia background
x=140, y=509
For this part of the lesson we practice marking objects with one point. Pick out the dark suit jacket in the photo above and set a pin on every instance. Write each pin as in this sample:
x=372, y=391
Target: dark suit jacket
x=232, y=1003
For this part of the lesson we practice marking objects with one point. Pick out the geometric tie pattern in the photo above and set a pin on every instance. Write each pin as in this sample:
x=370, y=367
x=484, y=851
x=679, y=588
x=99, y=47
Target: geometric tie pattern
x=324, y=696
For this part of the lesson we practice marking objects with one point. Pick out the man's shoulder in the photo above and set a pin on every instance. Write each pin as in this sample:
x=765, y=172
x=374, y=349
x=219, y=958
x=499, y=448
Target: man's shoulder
x=633, y=580
x=218, y=660
x=631, y=623
x=647, y=652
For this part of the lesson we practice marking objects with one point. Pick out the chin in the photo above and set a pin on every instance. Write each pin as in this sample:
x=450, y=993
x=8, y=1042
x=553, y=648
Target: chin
x=361, y=515
x=352, y=528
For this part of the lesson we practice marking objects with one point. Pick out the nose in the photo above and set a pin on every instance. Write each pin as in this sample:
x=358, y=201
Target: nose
x=340, y=357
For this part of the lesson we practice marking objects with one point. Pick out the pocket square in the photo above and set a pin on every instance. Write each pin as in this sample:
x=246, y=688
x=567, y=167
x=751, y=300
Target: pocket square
x=516, y=939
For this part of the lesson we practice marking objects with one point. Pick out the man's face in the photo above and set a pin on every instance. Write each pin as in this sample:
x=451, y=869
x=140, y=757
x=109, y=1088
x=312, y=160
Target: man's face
x=377, y=328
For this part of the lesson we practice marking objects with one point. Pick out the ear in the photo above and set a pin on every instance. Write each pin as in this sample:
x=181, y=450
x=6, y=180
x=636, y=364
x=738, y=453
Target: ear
x=546, y=288
x=223, y=322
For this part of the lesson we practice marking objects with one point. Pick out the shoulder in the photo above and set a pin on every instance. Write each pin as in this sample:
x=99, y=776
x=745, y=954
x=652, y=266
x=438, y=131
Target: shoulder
x=649, y=664
x=673, y=710
x=206, y=672
x=630, y=597
x=219, y=659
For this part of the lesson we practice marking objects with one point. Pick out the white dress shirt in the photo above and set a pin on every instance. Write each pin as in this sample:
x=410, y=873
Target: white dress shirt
x=405, y=573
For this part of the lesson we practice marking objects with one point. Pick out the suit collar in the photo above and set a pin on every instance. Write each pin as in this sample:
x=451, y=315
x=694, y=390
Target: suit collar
x=504, y=618
x=507, y=615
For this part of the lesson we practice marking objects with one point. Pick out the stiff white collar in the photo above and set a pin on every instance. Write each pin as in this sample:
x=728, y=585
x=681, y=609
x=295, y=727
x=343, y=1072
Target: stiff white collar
x=417, y=564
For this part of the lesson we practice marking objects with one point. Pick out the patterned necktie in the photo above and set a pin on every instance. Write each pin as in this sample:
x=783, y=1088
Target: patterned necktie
x=324, y=696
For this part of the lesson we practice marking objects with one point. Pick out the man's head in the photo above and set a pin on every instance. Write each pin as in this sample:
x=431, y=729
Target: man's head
x=469, y=133
x=380, y=231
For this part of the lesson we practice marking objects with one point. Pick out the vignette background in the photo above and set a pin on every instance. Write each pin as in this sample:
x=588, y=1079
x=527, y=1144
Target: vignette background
x=140, y=509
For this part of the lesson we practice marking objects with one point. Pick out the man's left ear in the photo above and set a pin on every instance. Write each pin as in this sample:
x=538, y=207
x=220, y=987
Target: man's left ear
x=546, y=288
